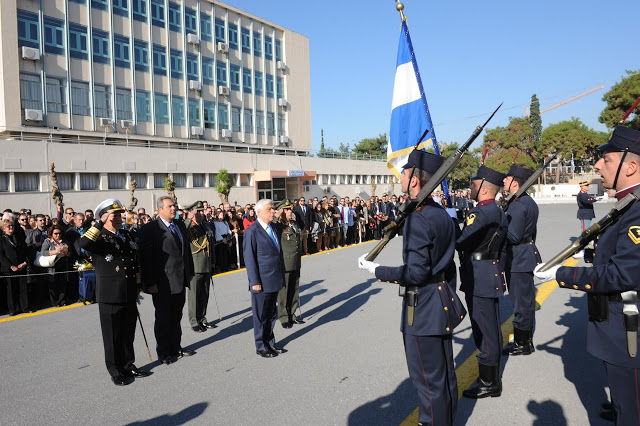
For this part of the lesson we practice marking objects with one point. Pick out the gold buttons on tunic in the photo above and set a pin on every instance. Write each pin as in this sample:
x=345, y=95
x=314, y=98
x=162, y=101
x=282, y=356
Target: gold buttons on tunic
x=587, y=287
x=447, y=329
x=575, y=286
x=439, y=287
x=446, y=308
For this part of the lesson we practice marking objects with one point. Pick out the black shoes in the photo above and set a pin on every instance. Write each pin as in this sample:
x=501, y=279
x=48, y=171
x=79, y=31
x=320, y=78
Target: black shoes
x=166, y=360
x=295, y=320
x=610, y=416
x=488, y=383
x=186, y=352
x=206, y=324
x=198, y=328
x=522, y=343
x=120, y=380
x=278, y=350
x=135, y=372
x=267, y=353
x=286, y=325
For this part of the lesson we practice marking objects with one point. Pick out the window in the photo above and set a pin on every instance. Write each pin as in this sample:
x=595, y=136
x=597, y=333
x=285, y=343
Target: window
x=190, y=20
x=270, y=93
x=248, y=121
x=102, y=100
x=79, y=1
x=175, y=20
x=157, y=13
x=206, y=30
x=246, y=80
x=139, y=8
x=28, y=29
x=27, y=182
x=139, y=178
x=4, y=182
x=117, y=180
x=78, y=41
x=234, y=74
x=207, y=70
x=209, y=114
x=180, y=179
x=271, y=124
x=124, y=108
x=177, y=104
x=162, y=108
x=176, y=64
x=223, y=116
x=192, y=67
x=221, y=73
x=89, y=181
x=258, y=83
x=213, y=180
x=233, y=36
x=280, y=124
x=159, y=60
x=80, y=103
x=99, y=4
x=66, y=181
x=246, y=40
x=257, y=43
x=100, y=47
x=53, y=36
x=279, y=88
x=235, y=119
x=143, y=106
x=198, y=180
x=121, y=7
x=121, y=51
x=268, y=48
x=30, y=92
x=260, y=122
x=158, y=180
x=220, y=30
x=194, y=112
x=278, y=50
x=141, y=55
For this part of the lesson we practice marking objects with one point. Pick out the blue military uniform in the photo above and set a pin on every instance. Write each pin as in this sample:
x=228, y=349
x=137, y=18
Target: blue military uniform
x=585, y=208
x=523, y=256
x=615, y=270
x=430, y=309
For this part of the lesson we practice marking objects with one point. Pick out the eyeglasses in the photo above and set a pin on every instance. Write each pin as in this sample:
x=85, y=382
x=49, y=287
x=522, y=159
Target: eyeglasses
x=22, y=220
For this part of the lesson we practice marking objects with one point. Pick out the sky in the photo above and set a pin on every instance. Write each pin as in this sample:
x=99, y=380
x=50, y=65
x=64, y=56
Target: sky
x=472, y=56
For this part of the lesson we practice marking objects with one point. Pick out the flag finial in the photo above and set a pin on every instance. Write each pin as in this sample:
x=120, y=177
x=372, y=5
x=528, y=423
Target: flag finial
x=400, y=8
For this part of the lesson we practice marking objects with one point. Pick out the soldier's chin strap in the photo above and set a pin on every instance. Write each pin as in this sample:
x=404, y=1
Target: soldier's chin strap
x=615, y=181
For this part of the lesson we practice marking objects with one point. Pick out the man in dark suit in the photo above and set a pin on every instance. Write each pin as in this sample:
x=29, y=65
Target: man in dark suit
x=167, y=268
x=264, y=261
x=306, y=218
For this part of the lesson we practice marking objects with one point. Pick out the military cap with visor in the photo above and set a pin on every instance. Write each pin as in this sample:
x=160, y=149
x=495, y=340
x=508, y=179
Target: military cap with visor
x=623, y=139
x=489, y=175
x=110, y=205
x=423, y=160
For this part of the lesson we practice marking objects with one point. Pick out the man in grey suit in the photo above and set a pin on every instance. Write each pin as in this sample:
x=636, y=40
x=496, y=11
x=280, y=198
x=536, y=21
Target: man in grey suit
x=265, y=269
x=166, y=266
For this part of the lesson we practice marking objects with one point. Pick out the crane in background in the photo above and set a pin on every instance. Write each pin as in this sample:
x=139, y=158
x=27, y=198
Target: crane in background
x=566, y=101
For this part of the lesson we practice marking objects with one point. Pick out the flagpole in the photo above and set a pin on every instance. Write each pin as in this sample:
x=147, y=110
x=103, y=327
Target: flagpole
x=400, y=8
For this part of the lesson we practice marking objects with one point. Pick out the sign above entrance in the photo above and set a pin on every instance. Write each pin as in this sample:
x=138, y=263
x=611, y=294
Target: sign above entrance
x=295, y=172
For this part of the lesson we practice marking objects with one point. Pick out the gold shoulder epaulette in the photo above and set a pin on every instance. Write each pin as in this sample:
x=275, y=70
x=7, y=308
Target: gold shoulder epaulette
x=93, y=233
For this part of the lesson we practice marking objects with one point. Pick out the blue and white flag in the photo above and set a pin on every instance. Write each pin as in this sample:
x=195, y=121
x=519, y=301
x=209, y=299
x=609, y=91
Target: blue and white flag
x=409, y=110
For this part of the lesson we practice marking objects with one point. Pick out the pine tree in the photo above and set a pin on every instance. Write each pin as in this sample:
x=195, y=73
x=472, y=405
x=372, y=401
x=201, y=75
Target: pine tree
x=535, y=120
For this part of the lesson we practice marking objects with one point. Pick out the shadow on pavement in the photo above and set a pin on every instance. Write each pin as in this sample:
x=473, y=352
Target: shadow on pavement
x=547, y=413
x=387, y=410
x=180, y=418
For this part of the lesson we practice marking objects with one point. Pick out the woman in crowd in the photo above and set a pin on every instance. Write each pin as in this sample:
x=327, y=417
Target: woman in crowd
x=58, y=282
x=320, y=230
x=223, y=236
x=13, y=261
x=249, y=217
x=327, y=220
x=237, y=228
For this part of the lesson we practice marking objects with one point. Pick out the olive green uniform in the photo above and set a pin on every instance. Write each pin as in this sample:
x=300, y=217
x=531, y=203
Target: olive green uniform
x=288, y=296
x=201, y=238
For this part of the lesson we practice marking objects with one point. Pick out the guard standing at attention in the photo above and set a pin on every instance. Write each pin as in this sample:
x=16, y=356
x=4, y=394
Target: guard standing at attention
x=430, y=307
x=114, y=256
x=585, y=206
x=612, y=283
x=290, y=239
x=202, y=241
x=523, y=256
x=482, y=247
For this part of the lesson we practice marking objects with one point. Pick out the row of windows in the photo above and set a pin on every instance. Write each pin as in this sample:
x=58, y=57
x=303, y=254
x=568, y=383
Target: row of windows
x=198, y=114
x=355, y=179
x=29, y=34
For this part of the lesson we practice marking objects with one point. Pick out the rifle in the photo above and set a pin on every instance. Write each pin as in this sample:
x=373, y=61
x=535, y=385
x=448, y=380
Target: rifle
x=525, y=186
x=594, y=230
x=409, y=206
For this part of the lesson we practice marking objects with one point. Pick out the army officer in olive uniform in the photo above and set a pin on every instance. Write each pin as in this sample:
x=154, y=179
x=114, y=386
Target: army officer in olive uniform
x=202, y=241
x=113, y=253
x=290, y=240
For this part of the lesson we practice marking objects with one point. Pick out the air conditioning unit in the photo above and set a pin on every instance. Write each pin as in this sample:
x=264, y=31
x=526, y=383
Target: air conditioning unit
x=222, y=47
x=306, y=188
x=223, y=90
x=226, y=133
x=126, y=124
x=284, y=140
x=283, y=103
x=105, y=122
x=33, y=115
x=195, y=85
x=30, y=53
x=197, y=131
x=193, y=39
x=281, y=65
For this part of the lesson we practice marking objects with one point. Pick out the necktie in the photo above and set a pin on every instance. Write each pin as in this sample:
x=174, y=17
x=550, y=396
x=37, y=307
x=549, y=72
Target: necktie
x=176, y=235
x=272, y=235
x=304, y=210
x=342, y=213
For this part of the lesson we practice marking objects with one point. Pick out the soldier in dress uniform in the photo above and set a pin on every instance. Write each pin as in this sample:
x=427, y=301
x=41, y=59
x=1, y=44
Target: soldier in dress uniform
x=202, y=239
x=481, y=246
x=612, y=283
x=288, y=296
x=430, y=307
x=114, y=256
x=523, y=256
x=585, y=206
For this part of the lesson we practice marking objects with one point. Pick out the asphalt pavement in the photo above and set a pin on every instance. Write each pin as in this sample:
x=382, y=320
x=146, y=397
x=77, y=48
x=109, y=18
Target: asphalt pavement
x=345, y=365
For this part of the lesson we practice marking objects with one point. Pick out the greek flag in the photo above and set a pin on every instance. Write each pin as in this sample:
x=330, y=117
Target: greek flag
x=409, y=110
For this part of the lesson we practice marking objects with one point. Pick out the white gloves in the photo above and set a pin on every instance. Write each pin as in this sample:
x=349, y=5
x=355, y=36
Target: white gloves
x=546, y=275
x=579, y=255
x=366, y=265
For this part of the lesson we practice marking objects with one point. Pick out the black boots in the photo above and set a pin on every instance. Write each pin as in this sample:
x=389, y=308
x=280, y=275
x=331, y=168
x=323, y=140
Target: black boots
x=522, y=343
x=488, y=383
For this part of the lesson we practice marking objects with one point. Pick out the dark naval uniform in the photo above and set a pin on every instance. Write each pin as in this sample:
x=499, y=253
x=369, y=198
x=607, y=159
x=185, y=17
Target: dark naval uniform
x=585, y=208
x=115, y=260
x=288, y=296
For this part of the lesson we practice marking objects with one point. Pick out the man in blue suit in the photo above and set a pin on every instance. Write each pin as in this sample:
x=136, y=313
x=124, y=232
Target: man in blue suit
x=265, y=269
x=585, y=206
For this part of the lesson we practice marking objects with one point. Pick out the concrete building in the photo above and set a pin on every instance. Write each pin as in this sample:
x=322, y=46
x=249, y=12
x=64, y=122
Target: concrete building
x=119, y=90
